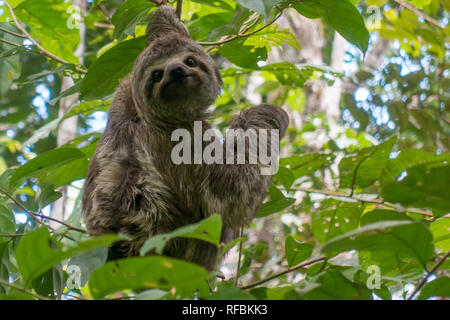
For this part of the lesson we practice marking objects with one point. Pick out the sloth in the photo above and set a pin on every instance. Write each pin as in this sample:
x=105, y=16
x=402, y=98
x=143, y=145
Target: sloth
x=134, y=188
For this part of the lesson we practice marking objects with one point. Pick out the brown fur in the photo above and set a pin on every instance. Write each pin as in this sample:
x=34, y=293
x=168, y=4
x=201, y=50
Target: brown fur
x=134, y=188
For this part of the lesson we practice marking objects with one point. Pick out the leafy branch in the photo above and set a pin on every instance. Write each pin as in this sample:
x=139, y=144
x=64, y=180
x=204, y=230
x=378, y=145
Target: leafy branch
x=433, y=270
x=418, y=12
x=11, y=285
x=38, y=215
x=41, y=49
x=278, y=274
x=364, y=200
x=243, y=34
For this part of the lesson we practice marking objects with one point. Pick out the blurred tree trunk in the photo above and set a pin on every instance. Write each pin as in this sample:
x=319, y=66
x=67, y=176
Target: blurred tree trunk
x=68, y=128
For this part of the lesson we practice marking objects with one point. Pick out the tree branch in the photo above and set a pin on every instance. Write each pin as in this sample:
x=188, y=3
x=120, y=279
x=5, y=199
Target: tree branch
x=38, y=215
x=243, y=34
x=40, y=48
x=7, y=283
x=424, y=280
x=12, y=33
x=179, y=8
x=418, y=12
x=375, y=201
x=276, y=275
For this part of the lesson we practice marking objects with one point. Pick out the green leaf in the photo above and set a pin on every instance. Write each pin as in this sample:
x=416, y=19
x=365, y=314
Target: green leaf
x=409, y=237
x=341, y=15
x=296, y=252
x=48, y=195
x=113, y=65
x=341, y=218
x=407, y=159
x=423, y=187
x=207, y=230
x=231, y=293
x=7, y=223
x=65, y=174
x=274, y=206
x=147, y=272
x=366, y=166
x=439, y=287
x=333, y=285
x=272, y=37
x=243, y=55
x=37, y=252
x=88, y=107
x=288, y=74
x=441, y=233
x=45, y=162
x=261, y=6
x=48, y=22
x=284, y=177
x=128, y=15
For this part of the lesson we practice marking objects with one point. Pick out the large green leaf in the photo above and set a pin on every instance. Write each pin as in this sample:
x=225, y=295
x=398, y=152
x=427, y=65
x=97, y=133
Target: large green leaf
x=106, y=72
x=366, y=166
x=335, y=218
x=45, y=162
x=37, y=252
x=261, y=6
x=147, y=272
x=410, y=237
x=296, y=252
x=128, y=15
x=7, y=223
x=439, y=287
x=243, y=55
x=341, y=15
x=207, y=230
x=410, y=158
x=423, y=187
x=333, y=285
x=48, y=22
x=274, y=206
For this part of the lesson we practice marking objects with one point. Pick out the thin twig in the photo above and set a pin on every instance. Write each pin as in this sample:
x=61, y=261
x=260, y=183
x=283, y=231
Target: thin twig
x=7, y=283
x=375, y=201
x=238, y=268
x=179, y=8
x=12, y=33
x=418, y=12
x=38, y=215
x=240, y=35
x=424, y=280
x=40, y=48
x=103, y=25
x=9, y=42
x=278, y=274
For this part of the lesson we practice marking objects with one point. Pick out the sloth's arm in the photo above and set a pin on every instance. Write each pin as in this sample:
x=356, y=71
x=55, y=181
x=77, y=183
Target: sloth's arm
x=236, y=191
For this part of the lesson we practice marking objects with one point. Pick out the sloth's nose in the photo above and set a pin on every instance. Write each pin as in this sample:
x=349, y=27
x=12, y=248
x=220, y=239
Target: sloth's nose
x=176, y=72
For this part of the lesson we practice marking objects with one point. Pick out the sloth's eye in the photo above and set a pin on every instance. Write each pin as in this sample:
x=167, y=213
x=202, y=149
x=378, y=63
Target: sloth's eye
x=190, y=62
x=157, y=75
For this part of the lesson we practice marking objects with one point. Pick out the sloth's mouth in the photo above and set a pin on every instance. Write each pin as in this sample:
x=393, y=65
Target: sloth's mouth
x=178, y=79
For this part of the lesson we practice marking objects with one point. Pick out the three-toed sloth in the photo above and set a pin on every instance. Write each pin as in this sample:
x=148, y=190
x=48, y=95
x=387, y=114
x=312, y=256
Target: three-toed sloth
x=133, y=186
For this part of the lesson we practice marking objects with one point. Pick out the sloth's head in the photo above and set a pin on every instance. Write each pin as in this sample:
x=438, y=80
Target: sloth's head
x=173, y=78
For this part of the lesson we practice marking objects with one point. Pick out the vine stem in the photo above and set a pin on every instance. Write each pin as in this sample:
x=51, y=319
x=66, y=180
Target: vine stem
x=12, y=33
x=424, y=280
x=37, y=44
x=38, y=215
x=278, y=274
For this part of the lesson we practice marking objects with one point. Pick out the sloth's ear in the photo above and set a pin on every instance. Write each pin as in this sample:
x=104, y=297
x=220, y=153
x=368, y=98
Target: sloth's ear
x=164, y=21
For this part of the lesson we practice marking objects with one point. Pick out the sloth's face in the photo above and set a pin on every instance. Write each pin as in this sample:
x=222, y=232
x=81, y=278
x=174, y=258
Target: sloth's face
x=179, y=85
